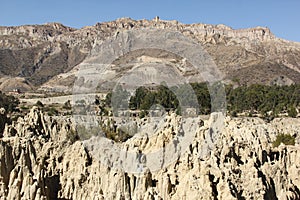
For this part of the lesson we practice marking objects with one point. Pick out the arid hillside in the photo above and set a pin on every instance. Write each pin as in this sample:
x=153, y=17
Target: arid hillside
x=43, y=56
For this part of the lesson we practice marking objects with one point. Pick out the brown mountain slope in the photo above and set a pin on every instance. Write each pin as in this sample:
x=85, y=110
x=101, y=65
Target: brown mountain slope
x=46, y=54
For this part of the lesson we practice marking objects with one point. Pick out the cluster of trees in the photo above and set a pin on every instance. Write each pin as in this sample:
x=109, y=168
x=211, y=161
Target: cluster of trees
x=9, y=103
x=262, y=99
x=145, y=98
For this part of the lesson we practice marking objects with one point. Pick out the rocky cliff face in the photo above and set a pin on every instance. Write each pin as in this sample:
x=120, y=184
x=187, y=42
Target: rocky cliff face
x=42, y=158
x=39, y=53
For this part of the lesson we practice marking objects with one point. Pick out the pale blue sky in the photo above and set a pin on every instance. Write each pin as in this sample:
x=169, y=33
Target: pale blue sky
x=281, y=16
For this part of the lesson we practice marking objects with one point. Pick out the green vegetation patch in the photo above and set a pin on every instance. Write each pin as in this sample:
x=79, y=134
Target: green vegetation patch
x=286, y=139
x=9, y=103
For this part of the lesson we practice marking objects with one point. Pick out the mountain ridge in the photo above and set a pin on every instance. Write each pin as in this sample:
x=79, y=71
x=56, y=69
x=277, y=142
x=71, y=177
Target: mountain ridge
x=40, y=54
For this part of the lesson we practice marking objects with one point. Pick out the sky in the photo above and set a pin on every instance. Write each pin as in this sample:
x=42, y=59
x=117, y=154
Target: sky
x=281, y=16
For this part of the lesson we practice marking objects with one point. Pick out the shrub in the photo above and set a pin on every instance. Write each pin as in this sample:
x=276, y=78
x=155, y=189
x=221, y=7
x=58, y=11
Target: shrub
x=67, y=105
x=72, y=135
x=233, y=113
x=23, y=107
x=143, y=114
x=52, y=111
x=292, y=112
x=121, y=136
x=87, y=132
x=286, y=139
x=39, y=104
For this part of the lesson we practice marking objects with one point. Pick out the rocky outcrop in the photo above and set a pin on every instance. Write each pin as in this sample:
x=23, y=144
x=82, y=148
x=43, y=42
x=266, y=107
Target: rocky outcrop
x=31, y=35
x=41, y=158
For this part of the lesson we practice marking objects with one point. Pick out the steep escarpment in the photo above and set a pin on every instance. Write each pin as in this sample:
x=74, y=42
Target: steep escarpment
x=42, y=158
x=33, y=52
x=40, y=53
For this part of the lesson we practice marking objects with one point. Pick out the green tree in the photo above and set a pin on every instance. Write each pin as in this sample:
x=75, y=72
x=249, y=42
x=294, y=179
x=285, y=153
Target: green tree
x=136, y=100
x=203, y=97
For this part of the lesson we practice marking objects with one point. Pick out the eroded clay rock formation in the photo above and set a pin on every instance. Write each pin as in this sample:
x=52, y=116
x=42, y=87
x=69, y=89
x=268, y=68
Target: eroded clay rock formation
x=41, y=158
